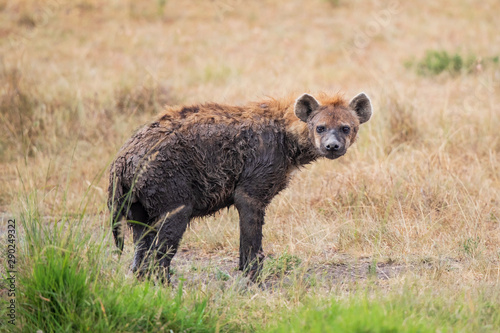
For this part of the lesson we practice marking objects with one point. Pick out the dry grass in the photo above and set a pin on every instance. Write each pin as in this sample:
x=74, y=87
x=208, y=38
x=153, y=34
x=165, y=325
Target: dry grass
x=421, y=186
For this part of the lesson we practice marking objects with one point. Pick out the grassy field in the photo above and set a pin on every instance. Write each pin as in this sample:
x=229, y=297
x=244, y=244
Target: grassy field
x=400, y=235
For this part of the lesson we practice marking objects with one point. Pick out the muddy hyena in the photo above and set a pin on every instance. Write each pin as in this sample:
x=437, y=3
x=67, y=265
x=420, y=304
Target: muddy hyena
x=194, y=160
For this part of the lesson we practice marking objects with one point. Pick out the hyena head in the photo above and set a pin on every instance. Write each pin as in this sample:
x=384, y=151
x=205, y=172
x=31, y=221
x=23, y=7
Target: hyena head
x=333, y=127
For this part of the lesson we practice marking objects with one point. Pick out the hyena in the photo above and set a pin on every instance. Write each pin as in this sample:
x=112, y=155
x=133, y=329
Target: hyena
x=195, y=160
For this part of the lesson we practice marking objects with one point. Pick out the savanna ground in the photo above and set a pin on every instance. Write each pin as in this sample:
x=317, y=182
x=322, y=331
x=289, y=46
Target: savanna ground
x=401, y=234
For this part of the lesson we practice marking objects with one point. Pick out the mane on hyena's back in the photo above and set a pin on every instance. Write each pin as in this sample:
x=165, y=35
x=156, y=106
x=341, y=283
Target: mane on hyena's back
x=275, y=108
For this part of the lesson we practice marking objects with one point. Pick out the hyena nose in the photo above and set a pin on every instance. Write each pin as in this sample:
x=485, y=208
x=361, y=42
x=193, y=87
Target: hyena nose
x=334, y=145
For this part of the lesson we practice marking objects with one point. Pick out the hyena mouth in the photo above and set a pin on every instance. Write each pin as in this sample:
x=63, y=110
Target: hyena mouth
x=331, y=155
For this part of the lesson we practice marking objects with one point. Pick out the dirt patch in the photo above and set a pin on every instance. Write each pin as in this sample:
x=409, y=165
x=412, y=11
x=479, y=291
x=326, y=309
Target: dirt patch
x=198, y=267
x=353, y=270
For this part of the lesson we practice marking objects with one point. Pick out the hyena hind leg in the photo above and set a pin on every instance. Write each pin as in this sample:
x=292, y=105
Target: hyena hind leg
x=171, y=227
x=143, y=236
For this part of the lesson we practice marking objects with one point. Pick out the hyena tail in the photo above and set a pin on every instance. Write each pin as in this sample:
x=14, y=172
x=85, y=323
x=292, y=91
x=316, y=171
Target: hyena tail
x=118, y=231
x=118, y=205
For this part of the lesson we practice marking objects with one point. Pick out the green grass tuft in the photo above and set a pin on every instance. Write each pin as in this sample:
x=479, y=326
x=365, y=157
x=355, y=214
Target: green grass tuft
x=63, y=290
x=281, y=265
x=436, y=62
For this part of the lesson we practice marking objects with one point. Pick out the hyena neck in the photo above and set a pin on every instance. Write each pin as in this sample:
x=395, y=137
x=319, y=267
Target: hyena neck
x=301, y=150
x=305, y=154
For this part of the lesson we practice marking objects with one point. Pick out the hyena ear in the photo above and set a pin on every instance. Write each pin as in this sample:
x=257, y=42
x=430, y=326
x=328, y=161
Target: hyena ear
x=305, y=105
x=362, y=105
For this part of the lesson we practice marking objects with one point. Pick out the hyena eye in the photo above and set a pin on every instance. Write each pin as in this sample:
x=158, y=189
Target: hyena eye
x=320, y=129
x=346, y=129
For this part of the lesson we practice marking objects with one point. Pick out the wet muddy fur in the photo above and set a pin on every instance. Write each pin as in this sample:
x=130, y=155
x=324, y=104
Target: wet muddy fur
x=193, y=161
